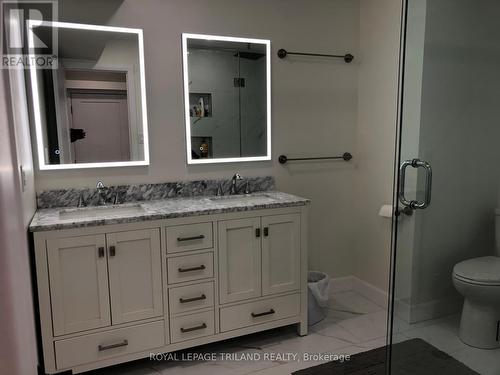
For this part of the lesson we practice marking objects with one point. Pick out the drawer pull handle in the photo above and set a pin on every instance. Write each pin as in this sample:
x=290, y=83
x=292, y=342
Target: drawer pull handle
x=195, y=328
x=112, y=251
x=113, y=346
x=182, y=239
x=199, y=268
x=270, y=312
x=100, y=252
x=186, y=300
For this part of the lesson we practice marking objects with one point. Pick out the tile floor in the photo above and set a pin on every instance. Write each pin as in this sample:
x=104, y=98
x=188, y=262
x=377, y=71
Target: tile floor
x=354, y=324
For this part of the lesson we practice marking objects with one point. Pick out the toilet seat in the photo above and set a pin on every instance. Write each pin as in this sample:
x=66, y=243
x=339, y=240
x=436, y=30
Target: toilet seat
x=483, y=270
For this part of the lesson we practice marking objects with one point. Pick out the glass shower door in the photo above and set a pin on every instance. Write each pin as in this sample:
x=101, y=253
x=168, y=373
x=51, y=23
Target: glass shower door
x=447, y=189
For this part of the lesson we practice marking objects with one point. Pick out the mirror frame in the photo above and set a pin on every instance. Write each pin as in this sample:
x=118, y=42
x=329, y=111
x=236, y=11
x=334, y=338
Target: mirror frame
x=42, y=163
x=267, y=43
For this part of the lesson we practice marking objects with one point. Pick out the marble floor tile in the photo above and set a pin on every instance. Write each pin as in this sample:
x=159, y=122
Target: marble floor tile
x=443, y=336
x=334, y=330
x=312, y=343
x=366, y=327
x=353, y=302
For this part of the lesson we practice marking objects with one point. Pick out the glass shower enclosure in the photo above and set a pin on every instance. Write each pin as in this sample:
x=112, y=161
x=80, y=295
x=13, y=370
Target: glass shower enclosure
x=447, y=183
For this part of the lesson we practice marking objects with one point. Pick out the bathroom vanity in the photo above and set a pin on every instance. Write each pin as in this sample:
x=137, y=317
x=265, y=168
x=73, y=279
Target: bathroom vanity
x=117, y=283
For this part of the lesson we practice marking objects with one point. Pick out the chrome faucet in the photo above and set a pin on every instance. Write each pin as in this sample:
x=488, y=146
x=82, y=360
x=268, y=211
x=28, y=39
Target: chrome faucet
x=100, y=188
x=234, y=188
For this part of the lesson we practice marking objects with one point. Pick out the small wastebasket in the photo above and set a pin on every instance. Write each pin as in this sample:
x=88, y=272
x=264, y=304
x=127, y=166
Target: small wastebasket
x=318, y=287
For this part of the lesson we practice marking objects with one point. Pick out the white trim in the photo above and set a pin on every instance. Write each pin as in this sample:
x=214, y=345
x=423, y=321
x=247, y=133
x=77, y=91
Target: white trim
x=267, y=43
x=355, y=284
x=373, y=293
x=410, y=314
x=42, y=165
x=340, y=284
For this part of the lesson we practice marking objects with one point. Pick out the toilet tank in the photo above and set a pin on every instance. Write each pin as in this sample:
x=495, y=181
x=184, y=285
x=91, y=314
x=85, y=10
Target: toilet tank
x=497, y=231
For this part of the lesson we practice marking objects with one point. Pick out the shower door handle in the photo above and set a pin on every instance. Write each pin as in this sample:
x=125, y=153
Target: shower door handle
x=413, y=204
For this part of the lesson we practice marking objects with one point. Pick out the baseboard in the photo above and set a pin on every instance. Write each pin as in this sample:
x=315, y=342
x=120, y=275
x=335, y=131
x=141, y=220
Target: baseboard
x=371, y=292
x=341, y=284
x=409, y=313
x=367, y=290
x=435, y=309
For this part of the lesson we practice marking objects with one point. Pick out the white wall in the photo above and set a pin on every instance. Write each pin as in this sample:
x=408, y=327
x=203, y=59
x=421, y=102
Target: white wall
x=376, y=135
x=314, y=105
x=18, y=352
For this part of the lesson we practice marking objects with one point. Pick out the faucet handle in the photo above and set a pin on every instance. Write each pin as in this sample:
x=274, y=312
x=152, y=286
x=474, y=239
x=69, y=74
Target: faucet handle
x=237, y=176
x=99, y=185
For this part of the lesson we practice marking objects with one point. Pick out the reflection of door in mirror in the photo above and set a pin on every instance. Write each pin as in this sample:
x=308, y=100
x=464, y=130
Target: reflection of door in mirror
x=89, y=111
x=103, y=117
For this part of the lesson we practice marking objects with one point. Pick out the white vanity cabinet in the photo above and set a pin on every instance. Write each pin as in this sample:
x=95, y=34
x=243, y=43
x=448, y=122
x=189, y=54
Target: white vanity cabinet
x=259, y=256
x=114, y=293
x=78, y=274
x=105, y=279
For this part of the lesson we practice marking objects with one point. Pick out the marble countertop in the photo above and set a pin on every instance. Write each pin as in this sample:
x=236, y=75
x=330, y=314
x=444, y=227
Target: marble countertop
x=69, y=218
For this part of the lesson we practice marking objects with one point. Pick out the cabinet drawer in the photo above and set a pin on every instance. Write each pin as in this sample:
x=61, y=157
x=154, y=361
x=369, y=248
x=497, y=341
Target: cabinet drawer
x=189, y=237
x=190, y=267
x=91, y=348
x=258, y=312
x=191, y=297
x=192, y=326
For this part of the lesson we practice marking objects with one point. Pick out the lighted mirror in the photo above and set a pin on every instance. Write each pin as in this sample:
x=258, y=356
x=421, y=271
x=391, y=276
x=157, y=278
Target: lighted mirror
x=90, y=108
x=227, y=84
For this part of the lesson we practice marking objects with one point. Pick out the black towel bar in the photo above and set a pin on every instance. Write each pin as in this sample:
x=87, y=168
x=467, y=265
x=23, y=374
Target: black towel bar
x=283, y=159
x=282, y=53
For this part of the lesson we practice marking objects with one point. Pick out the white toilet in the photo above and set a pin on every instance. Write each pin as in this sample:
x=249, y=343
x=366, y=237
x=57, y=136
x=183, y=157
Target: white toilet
x=478, y=280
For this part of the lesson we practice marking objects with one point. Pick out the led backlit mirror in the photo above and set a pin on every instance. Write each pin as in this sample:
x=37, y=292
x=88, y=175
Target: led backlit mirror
x=90, y=110
x=227, y=84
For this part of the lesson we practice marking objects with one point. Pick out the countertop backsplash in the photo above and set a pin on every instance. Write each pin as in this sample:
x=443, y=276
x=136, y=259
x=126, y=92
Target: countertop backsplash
x=148, y=192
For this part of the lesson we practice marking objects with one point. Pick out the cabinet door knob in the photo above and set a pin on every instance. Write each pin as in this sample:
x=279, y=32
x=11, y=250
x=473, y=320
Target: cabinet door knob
x=257, y=232
x=266, y=231
x=112, y=251
x=100, y=252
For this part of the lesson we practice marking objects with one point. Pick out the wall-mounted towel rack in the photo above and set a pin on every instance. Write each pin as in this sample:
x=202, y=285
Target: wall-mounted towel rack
x=283, y=159
x=282, y=53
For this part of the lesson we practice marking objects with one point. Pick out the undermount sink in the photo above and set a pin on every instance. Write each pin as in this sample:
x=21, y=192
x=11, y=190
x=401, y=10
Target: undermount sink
x=246, y=198
x=86, y=212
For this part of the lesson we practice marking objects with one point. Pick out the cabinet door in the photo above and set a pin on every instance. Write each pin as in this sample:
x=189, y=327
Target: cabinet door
x=239, y=259
x=78, y=283
x=134, y=262
x=280, y=253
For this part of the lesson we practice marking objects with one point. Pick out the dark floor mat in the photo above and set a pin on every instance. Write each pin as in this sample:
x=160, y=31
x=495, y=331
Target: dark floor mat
x=412, y=357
